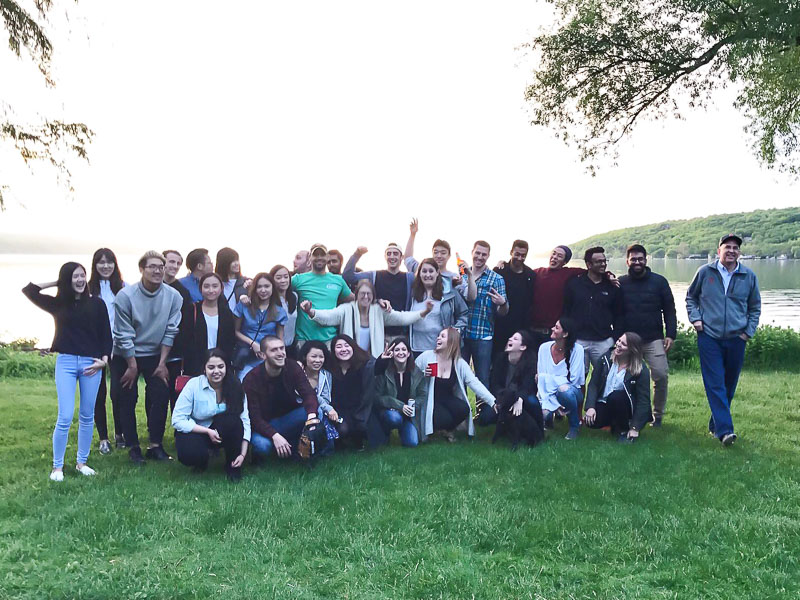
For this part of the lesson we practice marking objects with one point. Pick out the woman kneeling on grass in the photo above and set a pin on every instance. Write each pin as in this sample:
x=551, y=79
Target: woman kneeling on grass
x=83, y=341
x=211, y=411
x=619, y=391
x=401, y=392
x=352, y=391
x=448, y=377
x=559, y=374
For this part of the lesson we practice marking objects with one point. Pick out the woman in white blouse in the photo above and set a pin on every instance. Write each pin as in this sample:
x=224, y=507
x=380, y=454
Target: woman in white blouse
x=560, y=375
x=211, y=411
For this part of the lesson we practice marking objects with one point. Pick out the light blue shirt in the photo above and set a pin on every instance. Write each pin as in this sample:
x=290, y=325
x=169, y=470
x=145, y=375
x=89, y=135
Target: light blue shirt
x=726, y=275
x=197, y=405
x=615, y=381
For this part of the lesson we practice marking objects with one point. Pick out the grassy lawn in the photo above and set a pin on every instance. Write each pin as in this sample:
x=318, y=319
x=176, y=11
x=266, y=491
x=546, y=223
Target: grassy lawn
x=672, y=516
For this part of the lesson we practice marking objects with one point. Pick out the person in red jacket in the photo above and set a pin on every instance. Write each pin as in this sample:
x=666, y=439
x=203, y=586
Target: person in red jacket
x=548, y=292
x=272, y=391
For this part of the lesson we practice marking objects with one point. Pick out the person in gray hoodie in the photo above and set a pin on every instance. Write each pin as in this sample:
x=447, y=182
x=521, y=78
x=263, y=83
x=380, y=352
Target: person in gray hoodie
x=146, y=321
x=724, y=305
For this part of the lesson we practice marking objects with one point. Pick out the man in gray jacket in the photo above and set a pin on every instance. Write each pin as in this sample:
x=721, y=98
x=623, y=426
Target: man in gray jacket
x=146, y=321
x=724, y=305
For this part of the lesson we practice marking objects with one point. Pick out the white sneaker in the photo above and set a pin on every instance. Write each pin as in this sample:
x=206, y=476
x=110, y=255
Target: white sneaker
x=86, y=470
x=56, y=475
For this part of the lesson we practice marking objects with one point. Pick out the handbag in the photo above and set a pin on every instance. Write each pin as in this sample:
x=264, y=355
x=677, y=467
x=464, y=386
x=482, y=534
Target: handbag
x=241, y=354
x=181, y=381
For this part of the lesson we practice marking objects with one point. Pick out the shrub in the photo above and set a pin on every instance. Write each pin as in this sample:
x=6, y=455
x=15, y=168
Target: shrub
x=16, y=363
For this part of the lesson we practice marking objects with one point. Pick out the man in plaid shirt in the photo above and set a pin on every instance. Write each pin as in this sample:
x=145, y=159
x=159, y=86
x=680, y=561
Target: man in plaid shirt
x=491, y=300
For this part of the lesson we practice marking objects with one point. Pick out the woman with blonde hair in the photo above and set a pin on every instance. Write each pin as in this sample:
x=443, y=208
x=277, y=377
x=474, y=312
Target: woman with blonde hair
x=619, y=391
x=449, y=376
x=364, y=319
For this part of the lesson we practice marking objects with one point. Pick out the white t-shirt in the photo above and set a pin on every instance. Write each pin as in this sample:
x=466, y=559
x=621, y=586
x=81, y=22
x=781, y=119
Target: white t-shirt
x=363, y=338
x=212, y=327
x=552, y=375
x=615, y=381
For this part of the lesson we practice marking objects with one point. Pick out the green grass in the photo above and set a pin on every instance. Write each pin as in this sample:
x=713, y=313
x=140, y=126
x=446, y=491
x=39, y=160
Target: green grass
x=673, y=516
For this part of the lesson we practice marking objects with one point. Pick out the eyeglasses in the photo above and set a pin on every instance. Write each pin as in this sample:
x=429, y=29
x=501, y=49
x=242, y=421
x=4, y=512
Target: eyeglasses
x=637, y=259
x=156, y=268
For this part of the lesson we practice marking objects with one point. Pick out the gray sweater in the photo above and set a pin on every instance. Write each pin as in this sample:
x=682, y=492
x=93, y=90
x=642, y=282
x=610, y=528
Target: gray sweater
x=144, y=321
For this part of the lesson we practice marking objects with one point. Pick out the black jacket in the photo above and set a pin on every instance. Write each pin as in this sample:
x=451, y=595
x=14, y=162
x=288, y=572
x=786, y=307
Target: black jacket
x=648, y=306
x=596, y=308
x=636, y=387
x=187, y=321
x=523, y=381
x=198, y=342
x=519, y=290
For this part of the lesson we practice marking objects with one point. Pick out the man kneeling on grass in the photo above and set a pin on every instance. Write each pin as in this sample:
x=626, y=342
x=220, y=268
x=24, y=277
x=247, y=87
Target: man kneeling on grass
x=272, y=390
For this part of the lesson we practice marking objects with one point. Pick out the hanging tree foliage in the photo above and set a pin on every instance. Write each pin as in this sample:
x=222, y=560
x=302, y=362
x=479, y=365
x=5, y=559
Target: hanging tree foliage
x=611, y=63
x=52, y=141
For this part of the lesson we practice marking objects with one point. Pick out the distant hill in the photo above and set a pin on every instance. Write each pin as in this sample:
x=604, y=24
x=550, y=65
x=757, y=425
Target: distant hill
x=770, y=232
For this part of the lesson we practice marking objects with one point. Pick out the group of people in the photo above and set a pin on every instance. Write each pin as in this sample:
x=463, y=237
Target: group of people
x=251, y=363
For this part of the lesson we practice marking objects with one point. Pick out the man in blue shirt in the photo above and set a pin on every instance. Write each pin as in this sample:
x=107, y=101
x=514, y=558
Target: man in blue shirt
x=199, y=263
x=724, y=305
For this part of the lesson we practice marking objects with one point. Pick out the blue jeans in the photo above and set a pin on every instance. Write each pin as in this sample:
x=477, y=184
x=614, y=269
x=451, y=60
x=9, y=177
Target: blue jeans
x=69, y=373
x=394, y=419
x=481, y=353
x=569, y=400
x=720, y=363
x=289, y=426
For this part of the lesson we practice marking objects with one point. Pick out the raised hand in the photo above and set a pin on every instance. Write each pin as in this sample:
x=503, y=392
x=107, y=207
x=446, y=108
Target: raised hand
x=414, y=226
x=361, y=250
x=496, y=298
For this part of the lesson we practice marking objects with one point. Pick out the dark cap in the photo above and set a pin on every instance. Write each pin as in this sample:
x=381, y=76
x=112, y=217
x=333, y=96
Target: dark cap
x=567, y=253
x=316, y=247
x=730, y=236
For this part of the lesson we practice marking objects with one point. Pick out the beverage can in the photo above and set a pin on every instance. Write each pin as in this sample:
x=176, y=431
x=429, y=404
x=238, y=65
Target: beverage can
x=411, y=403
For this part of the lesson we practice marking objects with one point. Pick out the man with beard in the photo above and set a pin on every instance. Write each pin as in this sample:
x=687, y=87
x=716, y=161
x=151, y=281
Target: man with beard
x=335, y=260
x=649, y=309
x=390, y=283
x=520, y=280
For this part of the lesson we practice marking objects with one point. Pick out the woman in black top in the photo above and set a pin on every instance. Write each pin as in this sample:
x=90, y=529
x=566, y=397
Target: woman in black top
x=214, y=325
x=83, y=341
x=351, y=393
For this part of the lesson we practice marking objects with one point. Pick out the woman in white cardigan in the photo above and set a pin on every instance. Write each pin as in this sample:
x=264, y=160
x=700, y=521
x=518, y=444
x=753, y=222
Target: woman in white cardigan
x=449, y=375
x=364, y=319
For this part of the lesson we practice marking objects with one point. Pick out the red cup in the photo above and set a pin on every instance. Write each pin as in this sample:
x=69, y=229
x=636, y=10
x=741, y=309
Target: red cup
x=433, y=368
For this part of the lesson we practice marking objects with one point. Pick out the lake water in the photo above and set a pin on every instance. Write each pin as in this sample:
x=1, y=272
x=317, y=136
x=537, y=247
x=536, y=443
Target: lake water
x=779, y=281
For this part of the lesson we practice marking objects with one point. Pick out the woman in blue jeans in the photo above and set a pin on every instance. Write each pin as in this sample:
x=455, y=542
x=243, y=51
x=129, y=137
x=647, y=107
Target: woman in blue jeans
x=83, y=341
x=400, y=393
x=560, y=375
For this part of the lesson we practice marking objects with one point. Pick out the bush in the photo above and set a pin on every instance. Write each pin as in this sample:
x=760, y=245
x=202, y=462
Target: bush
x=17, y=363
x=771, y=348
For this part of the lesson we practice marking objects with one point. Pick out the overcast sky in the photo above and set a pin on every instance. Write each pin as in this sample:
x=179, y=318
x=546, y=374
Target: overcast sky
x=267, y=126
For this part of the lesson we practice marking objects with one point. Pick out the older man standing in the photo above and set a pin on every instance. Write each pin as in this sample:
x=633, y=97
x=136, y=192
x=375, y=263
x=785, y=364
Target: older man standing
x=724, y=305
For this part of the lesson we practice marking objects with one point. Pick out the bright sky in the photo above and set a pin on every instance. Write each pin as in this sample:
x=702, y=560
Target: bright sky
x=267, y=126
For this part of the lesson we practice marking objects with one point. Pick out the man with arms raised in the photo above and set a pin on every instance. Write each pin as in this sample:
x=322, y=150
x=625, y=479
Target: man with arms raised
x=146, y=321
x=724, y=305
x=323, y=290
x=280, y=401
x=649, y=308
x=490, y=301
x=441, y=254
x=199, y=263
x=519, y=279
x=390, y=283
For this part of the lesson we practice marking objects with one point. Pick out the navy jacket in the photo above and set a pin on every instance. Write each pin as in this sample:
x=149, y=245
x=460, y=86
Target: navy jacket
x=648, y=306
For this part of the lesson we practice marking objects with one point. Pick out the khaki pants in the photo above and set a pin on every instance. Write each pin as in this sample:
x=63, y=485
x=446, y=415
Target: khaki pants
x=593, y=351
x=656, y=360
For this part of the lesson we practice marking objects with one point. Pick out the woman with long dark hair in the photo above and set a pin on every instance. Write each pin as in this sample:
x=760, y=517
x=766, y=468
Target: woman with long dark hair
x=211, y=411
x=448, y=377
x=105, y=282
x=448, y=307
x=288, y=298
x=83, y=341
x=619, y=391
x=228, y=267
x=560, y=375
x=213, y=325
x=353, y=371
x=313, y=358
x=262, y=316
x=401, y=392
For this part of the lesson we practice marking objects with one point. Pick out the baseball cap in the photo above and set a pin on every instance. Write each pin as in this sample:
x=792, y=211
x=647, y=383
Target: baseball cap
x=730, y=236
x=316, y=247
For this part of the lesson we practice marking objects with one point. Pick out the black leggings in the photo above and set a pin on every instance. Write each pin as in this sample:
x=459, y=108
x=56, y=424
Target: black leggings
x=449, y=412
x=193, y=448
x=615, y=411
x=350, y=430
x=100, y=416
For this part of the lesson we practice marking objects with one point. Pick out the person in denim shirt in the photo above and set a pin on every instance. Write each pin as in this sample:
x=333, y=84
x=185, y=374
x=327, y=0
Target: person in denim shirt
x=724, y=305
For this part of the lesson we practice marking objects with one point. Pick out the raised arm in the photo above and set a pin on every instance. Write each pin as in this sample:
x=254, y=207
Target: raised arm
x=349, y=272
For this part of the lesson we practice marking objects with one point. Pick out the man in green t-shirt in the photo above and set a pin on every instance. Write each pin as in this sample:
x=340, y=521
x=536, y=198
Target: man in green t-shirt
x=324, y=290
